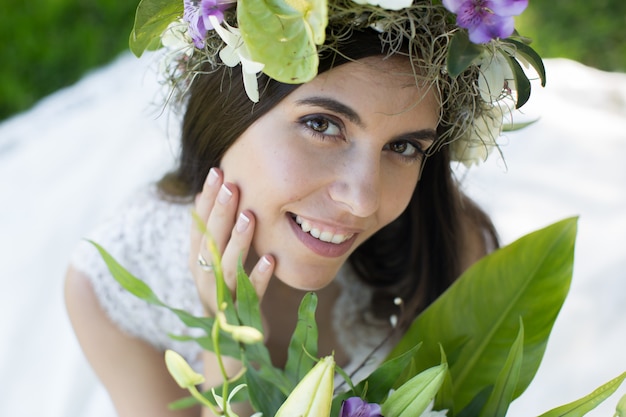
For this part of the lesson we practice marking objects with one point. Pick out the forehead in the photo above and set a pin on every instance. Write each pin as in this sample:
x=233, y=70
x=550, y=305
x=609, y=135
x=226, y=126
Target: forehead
x=375, y=85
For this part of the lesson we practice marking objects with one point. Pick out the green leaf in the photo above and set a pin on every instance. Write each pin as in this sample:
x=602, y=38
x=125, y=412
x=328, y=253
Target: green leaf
x=445, y=399
x=127, y=280
x=522, y=84
x=588, y=402
x=529, y=278
x=303, y=342
x=248, y=308
x=461, y=53
x=531, y=56
x=620, y=409
x=502, y=394
x=151, y=19
x=511, y=127
x=282, y=35
x=142, y=291
x=412, y=398
x=265, y=395
x=385, y=377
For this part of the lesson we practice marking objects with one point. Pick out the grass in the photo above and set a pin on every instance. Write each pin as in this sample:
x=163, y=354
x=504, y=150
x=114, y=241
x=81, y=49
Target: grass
x=49, y=44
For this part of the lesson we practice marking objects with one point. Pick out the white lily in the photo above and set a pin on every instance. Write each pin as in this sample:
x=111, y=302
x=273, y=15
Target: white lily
x=236, y=52
x=176, y=38
x=495, y=77
x=313, y=395
x=220, y=400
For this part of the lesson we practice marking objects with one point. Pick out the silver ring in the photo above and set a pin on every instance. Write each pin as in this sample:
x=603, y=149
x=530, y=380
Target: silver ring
x=204, y=264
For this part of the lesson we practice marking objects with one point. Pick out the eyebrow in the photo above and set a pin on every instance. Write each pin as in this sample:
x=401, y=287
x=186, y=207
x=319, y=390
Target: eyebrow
x=338, y=107
x=334, y=106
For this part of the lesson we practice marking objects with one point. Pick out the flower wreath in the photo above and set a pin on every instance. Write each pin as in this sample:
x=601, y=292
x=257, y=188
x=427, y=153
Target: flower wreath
x=467, y=49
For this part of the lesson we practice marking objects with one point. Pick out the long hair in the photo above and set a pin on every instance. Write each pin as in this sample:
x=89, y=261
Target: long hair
x=416, y=257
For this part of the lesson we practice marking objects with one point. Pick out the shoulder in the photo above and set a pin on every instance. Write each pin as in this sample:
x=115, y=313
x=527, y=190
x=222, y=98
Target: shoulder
x=149, y=237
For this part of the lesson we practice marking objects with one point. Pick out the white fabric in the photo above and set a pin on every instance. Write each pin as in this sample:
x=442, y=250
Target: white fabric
x=68, y=163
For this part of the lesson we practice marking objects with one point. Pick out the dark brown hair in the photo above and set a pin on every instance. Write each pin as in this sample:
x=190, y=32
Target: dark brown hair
x=416, y=257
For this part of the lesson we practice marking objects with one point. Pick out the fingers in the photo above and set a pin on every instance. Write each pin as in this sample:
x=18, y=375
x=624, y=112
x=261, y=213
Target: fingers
x=217, y=206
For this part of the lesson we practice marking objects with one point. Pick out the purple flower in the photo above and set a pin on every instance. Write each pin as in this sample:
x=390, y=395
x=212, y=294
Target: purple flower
x=197, y=14
x=356, y=407
x=486, y=19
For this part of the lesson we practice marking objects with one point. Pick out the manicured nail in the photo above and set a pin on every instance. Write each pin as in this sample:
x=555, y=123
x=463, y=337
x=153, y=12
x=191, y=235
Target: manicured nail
x=242, y=223
x=264, y=264
x=213, y=177
x=224, y=195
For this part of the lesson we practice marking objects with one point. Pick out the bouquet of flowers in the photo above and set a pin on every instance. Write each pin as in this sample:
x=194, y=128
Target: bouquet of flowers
x=470, y=353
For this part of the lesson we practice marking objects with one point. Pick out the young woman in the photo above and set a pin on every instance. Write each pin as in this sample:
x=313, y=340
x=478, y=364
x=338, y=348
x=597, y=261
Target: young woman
x=341, y=185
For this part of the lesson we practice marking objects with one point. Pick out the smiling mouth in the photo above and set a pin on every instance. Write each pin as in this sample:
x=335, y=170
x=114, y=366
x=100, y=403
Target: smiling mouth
x=321, y=234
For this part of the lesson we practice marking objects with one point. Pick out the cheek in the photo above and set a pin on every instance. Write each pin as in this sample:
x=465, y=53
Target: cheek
x=396, y=194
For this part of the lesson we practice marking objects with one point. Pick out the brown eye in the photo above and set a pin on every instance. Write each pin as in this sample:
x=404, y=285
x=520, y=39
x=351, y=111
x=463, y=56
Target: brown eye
x=405, y=148
x=399, y=147
x=324, y=126
x=319, y=124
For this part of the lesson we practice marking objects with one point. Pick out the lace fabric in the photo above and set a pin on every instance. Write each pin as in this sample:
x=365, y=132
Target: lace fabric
x=150, y=238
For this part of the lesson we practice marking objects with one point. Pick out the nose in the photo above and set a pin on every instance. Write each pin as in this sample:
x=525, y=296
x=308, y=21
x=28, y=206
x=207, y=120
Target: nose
x=356, y=185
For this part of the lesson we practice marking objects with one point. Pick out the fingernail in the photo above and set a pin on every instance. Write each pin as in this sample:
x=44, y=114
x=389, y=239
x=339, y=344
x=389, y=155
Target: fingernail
x=212, y=178
x=242, y=223
x=264, y=264
x=224, y=195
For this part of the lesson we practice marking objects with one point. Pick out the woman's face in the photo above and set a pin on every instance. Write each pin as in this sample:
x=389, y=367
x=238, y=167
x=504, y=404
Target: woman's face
x=331, y=164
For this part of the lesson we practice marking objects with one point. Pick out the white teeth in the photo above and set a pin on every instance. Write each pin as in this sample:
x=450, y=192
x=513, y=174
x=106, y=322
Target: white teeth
x=324, y=236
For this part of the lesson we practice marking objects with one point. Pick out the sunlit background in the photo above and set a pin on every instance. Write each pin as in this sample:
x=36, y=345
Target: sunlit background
x=73, y=158
x=48, y=44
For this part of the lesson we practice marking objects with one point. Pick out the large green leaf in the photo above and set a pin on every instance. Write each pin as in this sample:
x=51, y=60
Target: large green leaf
x=478, y=316
x=589, y=402
x=151, y=19
x=283, y=37
x=502, y=394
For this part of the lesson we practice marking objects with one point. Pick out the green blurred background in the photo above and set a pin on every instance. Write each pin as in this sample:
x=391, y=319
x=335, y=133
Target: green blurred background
x=49, y=44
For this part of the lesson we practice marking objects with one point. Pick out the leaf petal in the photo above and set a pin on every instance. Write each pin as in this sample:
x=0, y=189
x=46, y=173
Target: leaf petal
x=280, y=37
x=531, y=56
x=151, y=19
x=461, y=54
x=522, y=84
x=303, y=341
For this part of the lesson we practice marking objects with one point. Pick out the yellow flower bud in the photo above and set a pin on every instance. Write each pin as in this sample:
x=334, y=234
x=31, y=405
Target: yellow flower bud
x=243, y=334
x=313, y=396
x=180, y=370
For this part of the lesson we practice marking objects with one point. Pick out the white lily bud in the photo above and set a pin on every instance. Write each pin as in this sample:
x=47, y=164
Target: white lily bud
x=180, y=370
x=313, y=396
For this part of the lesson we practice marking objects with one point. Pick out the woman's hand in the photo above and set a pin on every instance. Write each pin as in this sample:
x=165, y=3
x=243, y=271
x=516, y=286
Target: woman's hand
x=232, y=230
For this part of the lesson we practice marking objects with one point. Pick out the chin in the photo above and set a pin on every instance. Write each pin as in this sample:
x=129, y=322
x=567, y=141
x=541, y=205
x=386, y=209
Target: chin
x=305, y=278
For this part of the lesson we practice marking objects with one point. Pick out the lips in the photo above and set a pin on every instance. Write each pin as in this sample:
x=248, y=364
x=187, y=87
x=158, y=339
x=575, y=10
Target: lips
x=322, y=240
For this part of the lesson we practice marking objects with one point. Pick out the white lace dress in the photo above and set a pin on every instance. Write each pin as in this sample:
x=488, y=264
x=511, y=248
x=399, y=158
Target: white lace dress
x=150, y=238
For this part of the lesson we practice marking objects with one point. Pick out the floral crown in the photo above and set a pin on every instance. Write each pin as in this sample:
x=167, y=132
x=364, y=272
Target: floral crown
x=467, y=49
